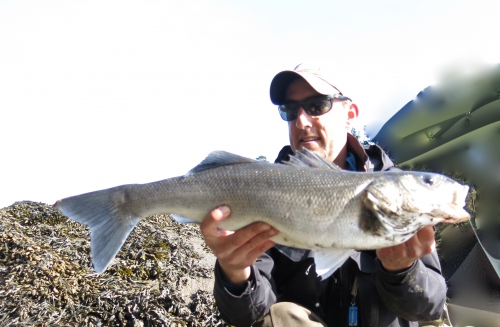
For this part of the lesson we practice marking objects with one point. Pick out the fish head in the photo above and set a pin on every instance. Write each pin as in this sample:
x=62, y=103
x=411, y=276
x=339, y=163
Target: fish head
x=435, y=195
x=405, y=201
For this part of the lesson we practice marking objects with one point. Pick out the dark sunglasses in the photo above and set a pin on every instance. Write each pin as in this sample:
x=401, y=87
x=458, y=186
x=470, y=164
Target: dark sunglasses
x=314, y=106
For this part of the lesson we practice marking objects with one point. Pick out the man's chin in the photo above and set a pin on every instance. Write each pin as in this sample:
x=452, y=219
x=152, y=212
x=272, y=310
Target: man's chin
x=311, y=146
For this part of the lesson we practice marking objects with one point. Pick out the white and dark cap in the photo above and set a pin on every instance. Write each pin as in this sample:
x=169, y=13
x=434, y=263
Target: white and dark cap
x=313, y=75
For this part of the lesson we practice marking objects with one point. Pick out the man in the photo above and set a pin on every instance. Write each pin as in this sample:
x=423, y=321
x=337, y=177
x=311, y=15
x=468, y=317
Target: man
x=255, y=282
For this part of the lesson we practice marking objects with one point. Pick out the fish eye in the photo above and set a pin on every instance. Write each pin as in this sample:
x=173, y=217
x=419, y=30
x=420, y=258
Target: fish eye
x=427, y=179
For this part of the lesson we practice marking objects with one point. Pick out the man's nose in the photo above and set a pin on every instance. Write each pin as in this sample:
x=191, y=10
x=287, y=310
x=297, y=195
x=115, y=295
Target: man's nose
x=303, y=120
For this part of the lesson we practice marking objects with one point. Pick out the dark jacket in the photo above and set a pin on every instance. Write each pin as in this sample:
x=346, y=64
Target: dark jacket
x=383, y=298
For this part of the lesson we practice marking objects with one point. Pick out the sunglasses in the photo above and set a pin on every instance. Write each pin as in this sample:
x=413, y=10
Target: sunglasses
x=314, y=106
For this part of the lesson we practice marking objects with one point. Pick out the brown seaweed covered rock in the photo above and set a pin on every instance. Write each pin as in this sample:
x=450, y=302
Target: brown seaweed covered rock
x=163, y=276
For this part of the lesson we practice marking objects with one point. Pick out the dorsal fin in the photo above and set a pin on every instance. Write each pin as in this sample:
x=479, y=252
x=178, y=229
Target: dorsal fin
x=306, y=158
x=218, y=159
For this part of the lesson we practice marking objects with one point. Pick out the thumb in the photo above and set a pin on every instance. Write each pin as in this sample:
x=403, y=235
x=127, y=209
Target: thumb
x=220, y=213
x=209, y=225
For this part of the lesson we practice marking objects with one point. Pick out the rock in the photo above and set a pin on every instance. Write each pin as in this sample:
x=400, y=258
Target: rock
x=163, y=275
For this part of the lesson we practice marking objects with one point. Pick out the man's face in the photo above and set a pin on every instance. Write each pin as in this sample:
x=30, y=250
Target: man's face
x=325, y=135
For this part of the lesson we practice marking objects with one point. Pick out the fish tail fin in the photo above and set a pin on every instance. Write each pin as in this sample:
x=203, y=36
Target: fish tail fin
x=108, y=218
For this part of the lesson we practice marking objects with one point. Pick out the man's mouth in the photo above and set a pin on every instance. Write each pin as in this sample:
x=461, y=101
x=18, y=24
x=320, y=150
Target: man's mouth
x=309, y=139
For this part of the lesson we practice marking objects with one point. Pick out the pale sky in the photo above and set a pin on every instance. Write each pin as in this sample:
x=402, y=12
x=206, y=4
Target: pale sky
x=95, y=94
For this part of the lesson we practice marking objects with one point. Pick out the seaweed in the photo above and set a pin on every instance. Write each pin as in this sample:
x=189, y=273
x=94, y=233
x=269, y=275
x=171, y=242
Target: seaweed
x=162, y=276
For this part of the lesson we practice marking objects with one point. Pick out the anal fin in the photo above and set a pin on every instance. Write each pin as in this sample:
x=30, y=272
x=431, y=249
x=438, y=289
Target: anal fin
x=184, y=220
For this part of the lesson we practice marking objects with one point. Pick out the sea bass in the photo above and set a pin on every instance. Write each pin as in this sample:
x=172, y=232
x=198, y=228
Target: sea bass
x=313, y=203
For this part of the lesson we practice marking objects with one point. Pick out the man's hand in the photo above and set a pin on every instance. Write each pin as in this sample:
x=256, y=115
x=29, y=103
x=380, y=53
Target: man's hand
x=400, y=257
x=236, y=251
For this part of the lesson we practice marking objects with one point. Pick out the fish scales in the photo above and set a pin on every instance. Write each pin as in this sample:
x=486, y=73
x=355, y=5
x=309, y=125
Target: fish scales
x=290, y=199
x=313, y=204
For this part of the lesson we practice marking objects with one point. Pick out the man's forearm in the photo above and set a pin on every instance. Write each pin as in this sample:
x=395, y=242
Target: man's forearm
x=416, y=294
x=242, y=305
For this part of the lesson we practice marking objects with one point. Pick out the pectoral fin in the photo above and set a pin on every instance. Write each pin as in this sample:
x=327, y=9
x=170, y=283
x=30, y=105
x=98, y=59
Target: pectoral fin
x=329, y=260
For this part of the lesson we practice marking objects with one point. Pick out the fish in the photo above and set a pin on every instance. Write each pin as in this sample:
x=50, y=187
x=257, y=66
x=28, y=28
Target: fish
x=314, y=204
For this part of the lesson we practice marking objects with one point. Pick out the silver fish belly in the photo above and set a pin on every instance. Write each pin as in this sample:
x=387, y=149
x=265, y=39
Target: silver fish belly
x=313, y=204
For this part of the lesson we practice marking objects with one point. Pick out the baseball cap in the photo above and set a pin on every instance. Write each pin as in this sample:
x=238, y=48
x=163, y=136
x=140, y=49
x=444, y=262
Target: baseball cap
x=311, y=74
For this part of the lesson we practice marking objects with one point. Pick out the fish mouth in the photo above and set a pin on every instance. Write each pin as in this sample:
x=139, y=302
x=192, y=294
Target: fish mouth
x=460, y=195
x=454, y=212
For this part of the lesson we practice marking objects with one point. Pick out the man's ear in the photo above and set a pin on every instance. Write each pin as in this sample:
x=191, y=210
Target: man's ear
x=353, y=111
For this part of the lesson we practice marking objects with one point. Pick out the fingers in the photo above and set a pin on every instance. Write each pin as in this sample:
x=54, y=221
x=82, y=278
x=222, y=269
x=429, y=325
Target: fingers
x=422, y=243
x=236, y=251
x=411, y=248
x=402, y=256
x=245, y=253
x=427, y=240
x=248, y=237
x=245, y=245
x=252, y=235
x=236, y=265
